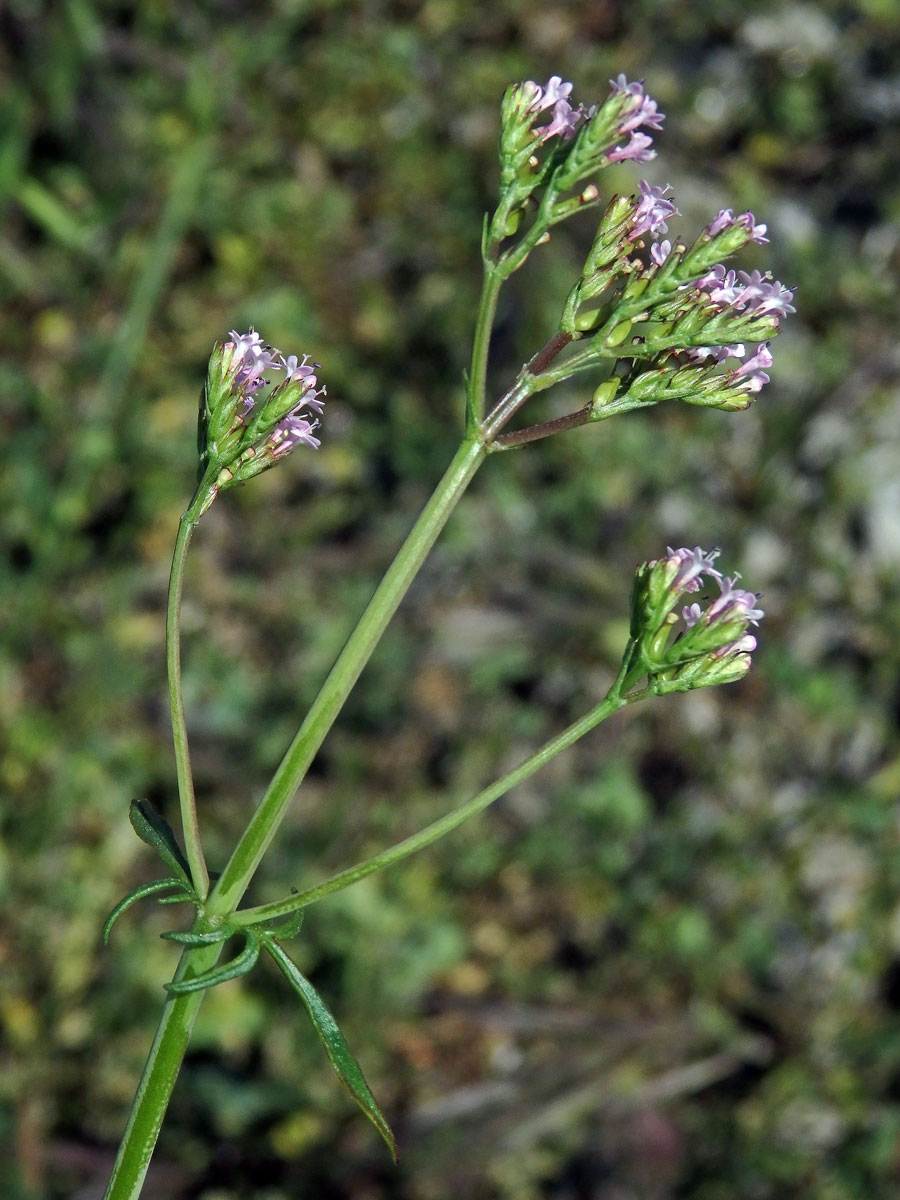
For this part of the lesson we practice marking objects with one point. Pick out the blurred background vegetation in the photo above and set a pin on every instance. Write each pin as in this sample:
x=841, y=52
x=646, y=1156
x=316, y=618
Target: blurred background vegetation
x=669, y=966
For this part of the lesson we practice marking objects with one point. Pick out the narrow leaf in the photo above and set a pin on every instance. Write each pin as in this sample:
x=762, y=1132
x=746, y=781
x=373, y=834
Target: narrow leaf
x=241, y=965
x=157, y=832
x=346, y=1066
x=146, y=889
x=287, y=929
x=197, y=939
x=181, y=897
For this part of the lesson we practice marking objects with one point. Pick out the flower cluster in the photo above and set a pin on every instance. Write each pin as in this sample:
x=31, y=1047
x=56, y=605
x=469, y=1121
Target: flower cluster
x=560, y=154
x=554, y=95
x=701, y=645
x=244, y=431
x=612, y=132
x=250, y=357
x=708, y=328
x=636, y=109
x=620, y=119
x=752, y=294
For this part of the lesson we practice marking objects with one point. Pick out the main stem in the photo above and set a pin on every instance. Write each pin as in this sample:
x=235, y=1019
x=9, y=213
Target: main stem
x=158, y=1080
x=271, y=810
x=189, y=822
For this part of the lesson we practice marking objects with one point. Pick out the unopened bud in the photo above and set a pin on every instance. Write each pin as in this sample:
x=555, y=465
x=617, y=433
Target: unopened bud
x=605, y=393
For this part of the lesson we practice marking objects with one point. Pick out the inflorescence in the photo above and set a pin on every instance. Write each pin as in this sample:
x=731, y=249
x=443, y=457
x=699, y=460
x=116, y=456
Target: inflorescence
x=710, y=643
x=244, y=430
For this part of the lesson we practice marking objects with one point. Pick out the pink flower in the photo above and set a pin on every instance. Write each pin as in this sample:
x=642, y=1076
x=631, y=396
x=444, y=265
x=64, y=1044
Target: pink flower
x=640, y=110
x=692, y=566
x=763, y=294
x=652, y=211
x=726, y=220
x=290, y=433
x=295, y=369
x=566, y=120
x=733, y=603
x=757, y=232
x=547, y=96
x=718, y=354
x=751, y=374
x=251, y=357
x=637, y=149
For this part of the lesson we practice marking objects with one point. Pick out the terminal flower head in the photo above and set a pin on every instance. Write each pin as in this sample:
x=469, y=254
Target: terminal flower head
x=245, y=429
x=523, y=104
x=704, y=642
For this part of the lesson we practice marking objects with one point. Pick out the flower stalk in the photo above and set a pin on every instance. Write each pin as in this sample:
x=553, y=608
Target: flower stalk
x=187, y=801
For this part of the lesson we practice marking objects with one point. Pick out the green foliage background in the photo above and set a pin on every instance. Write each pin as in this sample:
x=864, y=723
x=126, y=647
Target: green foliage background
x=670, y=965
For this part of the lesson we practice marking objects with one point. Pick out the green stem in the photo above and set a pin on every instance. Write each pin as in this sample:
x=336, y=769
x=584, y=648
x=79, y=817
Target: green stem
x=189, y=822
x=444, y=825
x=484, y=323
x=293, y=767
x=155, y=1089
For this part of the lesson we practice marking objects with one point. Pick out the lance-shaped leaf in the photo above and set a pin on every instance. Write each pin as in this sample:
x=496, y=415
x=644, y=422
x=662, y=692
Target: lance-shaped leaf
x=242, y=965
x=346, y=1066
x=157, y=832
x=145, y=889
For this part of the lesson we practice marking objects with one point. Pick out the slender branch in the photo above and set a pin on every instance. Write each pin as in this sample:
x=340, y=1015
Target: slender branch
x=510, y=403
x=484, y=323
x=548, y=352
x=293, y=767
x=520, y=437
x=613, y=702
x=189, y=822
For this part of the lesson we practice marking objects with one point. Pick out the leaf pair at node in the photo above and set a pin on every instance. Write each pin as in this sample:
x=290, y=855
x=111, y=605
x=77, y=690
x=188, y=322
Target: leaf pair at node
x=268, y=934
